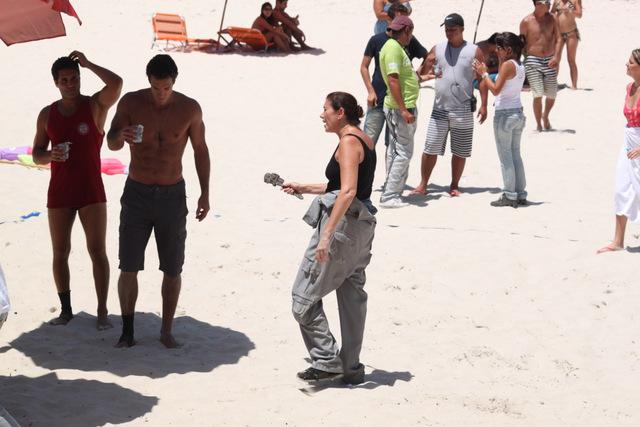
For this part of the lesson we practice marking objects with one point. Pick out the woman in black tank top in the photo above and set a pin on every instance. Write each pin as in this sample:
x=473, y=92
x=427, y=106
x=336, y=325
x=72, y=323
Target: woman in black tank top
x=346, y=226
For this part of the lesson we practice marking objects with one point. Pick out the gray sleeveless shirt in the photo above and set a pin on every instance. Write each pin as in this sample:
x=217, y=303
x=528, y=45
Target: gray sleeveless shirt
x=455, y=87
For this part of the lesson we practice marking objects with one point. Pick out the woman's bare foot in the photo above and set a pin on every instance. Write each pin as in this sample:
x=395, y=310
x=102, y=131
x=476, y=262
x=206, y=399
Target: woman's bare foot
x=169, y=341
x=609, y=248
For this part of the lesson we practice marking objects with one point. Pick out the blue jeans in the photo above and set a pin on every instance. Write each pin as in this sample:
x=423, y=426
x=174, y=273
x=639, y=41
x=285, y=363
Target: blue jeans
x=508, y=126
x=373, y=124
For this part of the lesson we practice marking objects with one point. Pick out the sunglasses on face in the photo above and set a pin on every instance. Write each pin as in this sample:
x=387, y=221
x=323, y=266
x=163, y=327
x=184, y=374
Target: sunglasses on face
x=545, y=2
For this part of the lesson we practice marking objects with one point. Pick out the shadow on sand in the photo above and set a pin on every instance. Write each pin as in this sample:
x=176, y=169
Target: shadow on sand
x=375, y=379
x=79, y=346
x=240, y=51
x=48, y=401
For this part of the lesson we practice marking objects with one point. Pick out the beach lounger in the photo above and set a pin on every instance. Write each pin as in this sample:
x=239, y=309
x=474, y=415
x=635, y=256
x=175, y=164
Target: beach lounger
x=246, y=37
x=172, y=29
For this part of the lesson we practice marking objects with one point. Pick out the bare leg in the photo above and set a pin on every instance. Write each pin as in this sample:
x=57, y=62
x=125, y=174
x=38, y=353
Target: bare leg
x=281, y=41
x=128, y=293
x=170, y=293
x=537, y=112
x=457, y=167
x=548, y=105
x=426, y=167
x=60, y=225
x=94, y=222
x=572, y=49
x=618, y=239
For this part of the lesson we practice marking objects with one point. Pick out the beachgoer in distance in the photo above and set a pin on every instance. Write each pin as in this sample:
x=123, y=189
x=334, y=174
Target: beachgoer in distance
x=400, y=109
x=74, y=125
x=543, y=50
x=567, y=11
x=509, y=120
x=376, y=87
x=340, y=247
x=381, y=11
x=454, y=103
x=154, y=194
x=268, y=25
x=627, y=196
x=290, y=25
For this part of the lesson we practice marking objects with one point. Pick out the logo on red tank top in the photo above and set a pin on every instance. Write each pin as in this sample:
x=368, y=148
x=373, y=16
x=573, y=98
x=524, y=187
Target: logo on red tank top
x=83, y=129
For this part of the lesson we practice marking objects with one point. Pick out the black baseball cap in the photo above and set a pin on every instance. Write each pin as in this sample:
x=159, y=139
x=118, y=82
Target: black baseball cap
x=453, y=20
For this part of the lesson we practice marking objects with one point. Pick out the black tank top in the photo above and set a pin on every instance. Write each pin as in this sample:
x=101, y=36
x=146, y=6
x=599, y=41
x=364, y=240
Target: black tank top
x=366, y=172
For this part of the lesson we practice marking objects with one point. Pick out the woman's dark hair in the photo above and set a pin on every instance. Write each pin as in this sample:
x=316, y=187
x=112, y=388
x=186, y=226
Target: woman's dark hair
x=162, y=66
x=63, y=63
x=348, y=103
x=492, y=39
x=271, y=19
x=636, y=55
x=395, y=9
x=516, y=43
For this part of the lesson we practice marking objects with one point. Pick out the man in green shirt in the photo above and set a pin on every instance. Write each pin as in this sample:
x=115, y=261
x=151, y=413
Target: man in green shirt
x=400, y=109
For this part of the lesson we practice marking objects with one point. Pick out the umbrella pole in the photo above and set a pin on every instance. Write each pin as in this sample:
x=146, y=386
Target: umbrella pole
x=224, y=10
x=477, y=23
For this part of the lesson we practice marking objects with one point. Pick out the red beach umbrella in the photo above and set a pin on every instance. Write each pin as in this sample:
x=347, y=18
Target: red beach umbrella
x=27, y=20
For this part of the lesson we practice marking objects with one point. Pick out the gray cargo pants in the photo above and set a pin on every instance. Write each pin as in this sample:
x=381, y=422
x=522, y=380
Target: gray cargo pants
x=349, y=255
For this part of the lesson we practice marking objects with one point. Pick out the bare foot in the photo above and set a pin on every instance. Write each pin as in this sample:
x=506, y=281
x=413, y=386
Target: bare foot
x=609, y=248
x=420, y=190
x=103, y=323
x=454, y=192
x=63, y=319
x=547, y=123
x=169, y=341
x=125, y=341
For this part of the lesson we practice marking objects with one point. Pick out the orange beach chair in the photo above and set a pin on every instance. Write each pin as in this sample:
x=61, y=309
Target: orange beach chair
x=246, y=37
x=172, y=29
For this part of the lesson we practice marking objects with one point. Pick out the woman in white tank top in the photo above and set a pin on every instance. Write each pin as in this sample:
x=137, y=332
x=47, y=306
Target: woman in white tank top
x=509, y=120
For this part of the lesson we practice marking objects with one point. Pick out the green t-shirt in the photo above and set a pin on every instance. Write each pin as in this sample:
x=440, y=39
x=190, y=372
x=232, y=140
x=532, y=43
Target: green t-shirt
x=394, y=60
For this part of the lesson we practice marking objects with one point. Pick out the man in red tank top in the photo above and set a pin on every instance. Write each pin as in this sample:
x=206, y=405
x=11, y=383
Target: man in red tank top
x=154, y=197
x=74, y=126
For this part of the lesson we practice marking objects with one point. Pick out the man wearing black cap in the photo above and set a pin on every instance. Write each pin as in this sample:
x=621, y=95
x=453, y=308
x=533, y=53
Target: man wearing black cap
x=400, y=109
x=454, y=103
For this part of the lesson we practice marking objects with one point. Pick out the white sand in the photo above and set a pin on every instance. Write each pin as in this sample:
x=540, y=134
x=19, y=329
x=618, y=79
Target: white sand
x=476, y=314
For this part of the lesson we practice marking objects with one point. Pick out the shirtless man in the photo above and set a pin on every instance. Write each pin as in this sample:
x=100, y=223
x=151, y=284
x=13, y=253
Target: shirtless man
x=154, y=194
x=543, y=49
x=290, y=25
x=567, y=11
x=74, y=125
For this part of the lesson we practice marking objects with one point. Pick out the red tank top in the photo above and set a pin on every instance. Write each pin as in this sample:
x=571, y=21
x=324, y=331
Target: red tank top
x=76, y=182
x=632, y=114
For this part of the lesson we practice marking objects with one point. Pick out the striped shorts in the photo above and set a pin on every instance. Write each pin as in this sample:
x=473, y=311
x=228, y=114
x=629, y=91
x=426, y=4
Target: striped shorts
x=459, y=123
x=543, y=79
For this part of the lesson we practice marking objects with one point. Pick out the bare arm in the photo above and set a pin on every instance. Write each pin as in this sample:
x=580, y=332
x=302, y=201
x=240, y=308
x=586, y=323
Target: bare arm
x=426, y=69
x=366, y=78
x=349, y=155
x=577, y=11
x=378, y=9
x=507, y=71
x=523, y=32
x=41, y=154
x=202, y=161
x=557, y=56
x=121, y=130
x=484, y=91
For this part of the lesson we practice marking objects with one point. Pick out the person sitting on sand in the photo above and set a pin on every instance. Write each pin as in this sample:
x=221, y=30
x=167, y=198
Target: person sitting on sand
x=268, y=26
x=543, y=49
x=627, y=197
x=290, y=25
x=567, y=11
x=74, y=125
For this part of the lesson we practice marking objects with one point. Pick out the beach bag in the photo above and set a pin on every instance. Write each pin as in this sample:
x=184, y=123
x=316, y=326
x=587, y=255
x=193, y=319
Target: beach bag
x=4, y=296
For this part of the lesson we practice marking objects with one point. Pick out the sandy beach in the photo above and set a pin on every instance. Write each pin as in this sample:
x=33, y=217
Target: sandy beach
x=477, y=315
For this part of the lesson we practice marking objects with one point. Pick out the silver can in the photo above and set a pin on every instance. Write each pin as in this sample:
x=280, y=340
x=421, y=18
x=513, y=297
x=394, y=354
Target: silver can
x=66, y=147
x=139, y=132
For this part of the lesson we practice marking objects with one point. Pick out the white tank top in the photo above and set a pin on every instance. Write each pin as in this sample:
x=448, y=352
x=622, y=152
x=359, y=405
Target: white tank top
x=509, y=96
